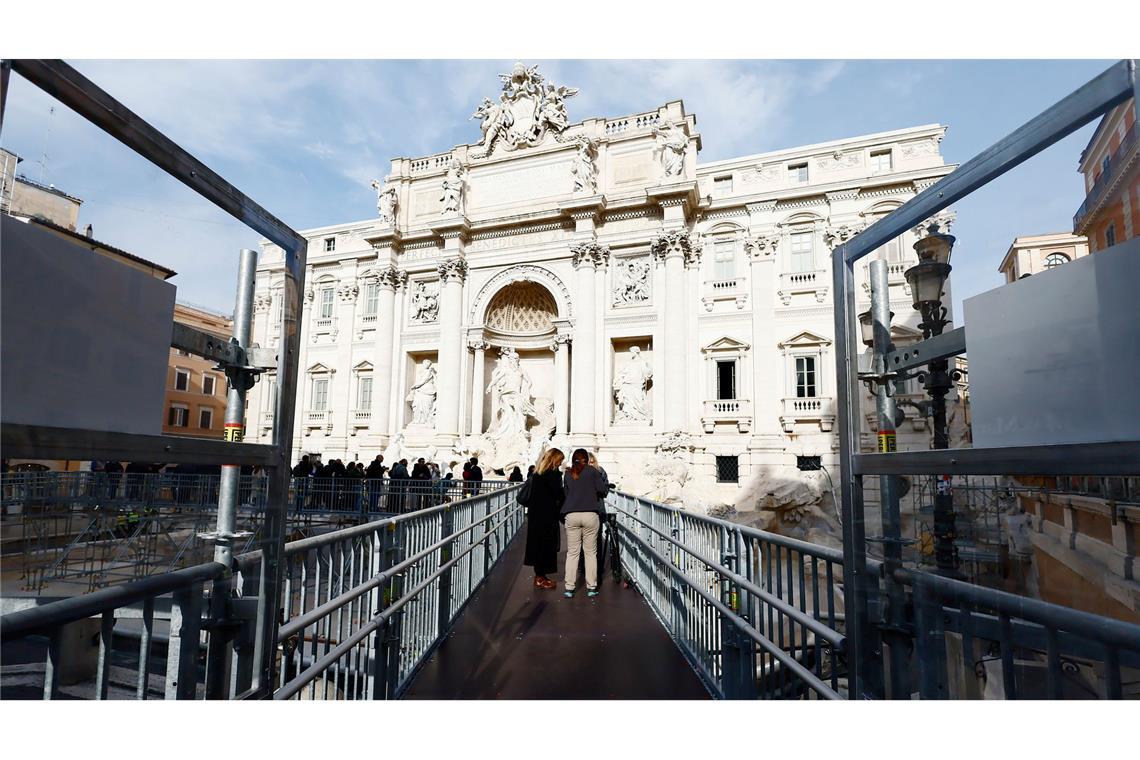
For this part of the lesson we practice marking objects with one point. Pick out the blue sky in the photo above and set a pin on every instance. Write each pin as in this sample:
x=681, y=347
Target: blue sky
x=304, y=138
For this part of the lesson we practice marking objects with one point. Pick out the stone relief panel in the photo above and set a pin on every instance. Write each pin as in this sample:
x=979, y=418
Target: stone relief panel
x=424, y=304
x=631, y=285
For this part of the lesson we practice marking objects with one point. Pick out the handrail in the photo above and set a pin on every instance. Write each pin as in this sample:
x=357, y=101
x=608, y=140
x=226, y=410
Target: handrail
x=818, y=628
x=22, y=623
x=744, y=626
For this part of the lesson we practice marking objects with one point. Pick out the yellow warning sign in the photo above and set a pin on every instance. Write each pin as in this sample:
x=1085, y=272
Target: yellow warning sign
x=235, y=432
x=886, y=441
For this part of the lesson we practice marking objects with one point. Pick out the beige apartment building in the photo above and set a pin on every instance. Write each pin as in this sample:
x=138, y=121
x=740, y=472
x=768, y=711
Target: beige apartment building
x=195, y=400
x=1031, y=254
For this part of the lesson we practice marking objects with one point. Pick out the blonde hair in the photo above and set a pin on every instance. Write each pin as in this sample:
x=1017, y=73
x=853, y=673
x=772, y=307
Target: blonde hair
x=593, y=460
x=551, y=459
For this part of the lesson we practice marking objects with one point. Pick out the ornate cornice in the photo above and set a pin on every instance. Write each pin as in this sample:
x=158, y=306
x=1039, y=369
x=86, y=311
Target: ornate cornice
x=808, y=202
x=452, y=269
x=849, y=194
x=882, y=192
x=761, y=207
x=651, y=212
x=589, y=252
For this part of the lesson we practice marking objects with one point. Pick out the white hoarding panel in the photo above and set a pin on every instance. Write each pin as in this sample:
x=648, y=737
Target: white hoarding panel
x=84, y=339
x=1055, y=357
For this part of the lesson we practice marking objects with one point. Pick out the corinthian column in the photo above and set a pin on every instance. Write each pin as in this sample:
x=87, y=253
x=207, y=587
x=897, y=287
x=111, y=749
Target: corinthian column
x=452, y=274
x=587, y=257
x=674, y=249
x=477, y=389
x=386, y=326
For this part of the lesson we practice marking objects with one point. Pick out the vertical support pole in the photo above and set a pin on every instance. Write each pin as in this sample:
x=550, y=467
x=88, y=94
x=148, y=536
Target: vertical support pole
x=865, y=681
x=894, y=632
x=930, y=643
x=182, y=650
x=276, y=504
x=143, y=684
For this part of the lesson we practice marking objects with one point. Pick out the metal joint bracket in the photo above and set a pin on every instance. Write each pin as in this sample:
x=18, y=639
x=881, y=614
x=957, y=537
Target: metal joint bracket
x=224, y=537
x=920, y=354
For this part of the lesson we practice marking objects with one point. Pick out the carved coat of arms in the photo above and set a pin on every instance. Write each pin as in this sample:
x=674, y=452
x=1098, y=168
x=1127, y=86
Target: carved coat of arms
x=528, y=108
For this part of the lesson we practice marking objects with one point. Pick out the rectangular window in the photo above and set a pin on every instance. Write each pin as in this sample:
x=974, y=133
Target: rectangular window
x=371, y=299
x=330, y=245
x=206, y=418
x=722, y=185
x=208, y=385
x=805, y=377
x=271, y=393
x=809, y=463
x=803, y=254
x=724, y=259
x=726, y=380
x=1110, y=236
x=880, y=162
x=181, y=380
x=278, y=307
x=178, y=416
x=798, y=173
x=326, y=303
x=364, y=393
x=320, y=393
x=727, y=469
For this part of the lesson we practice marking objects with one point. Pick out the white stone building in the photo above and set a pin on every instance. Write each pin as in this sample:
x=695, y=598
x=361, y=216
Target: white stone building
x=591, y=284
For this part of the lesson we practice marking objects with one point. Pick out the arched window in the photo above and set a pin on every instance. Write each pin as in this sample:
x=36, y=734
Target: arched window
x=1055, y=260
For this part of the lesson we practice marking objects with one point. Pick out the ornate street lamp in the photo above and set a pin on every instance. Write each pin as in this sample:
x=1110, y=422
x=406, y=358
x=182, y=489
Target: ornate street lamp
x=927, y=280
x=867, y=328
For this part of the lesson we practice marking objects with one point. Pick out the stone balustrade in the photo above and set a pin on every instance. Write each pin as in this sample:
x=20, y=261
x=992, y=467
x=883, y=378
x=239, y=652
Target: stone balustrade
x=815, y=409
x=736, y=410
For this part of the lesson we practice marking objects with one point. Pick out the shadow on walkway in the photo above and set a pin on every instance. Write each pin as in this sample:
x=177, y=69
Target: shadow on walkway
x=517, y=642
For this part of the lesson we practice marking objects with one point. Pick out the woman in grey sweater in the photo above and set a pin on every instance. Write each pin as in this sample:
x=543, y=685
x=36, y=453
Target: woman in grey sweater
x=584, y=486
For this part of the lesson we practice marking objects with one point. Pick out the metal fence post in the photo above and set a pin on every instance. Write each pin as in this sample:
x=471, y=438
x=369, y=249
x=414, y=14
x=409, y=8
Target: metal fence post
x=446, y=522
x=930, y=643
x=182, y=650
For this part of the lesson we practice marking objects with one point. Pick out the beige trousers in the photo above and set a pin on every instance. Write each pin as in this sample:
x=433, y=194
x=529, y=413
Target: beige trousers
x=581, y=531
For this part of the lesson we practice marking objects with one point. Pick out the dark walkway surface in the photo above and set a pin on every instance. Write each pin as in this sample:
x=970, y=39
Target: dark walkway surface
x=517, y=642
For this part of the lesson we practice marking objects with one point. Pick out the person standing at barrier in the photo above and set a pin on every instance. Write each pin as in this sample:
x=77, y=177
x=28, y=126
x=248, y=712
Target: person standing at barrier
x=399, y=484
x=114, y=472
x=516, y=475
x=584, y=486
x=302, y=473
x=374, y=481
x=542, y=512
x=476, y=476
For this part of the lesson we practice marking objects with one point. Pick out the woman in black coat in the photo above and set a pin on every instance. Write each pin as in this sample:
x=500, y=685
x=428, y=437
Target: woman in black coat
x=542, y=525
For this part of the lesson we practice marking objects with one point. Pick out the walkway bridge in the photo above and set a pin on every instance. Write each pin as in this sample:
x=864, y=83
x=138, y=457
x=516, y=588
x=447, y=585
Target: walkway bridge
x=436, y=604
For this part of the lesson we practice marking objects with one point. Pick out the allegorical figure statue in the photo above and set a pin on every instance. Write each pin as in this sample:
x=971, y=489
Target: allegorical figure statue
x=422, y=395
x=385, y=200
x=511, y=399
x=671, y=144
x=497, y=121
x=583, y=169
x=553, y=110
x=630, y=388
x=454, y=183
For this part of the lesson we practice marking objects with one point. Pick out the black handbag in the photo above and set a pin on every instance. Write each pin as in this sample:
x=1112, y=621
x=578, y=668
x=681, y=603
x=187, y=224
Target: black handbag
x=526, y=493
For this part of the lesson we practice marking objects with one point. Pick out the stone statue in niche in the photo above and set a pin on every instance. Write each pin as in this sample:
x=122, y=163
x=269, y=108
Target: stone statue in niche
x=454, y=185
x=630, y=387
x=425, y=302
x=511, y=398
x=386, y=201
x=422, y=395
x=631, y=282
x=671, y=144
x=583, y=169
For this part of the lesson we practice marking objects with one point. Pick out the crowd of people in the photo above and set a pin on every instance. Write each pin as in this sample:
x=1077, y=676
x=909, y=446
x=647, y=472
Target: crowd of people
x=345, y=487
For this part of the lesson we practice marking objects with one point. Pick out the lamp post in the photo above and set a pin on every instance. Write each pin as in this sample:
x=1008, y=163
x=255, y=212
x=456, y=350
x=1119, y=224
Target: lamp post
x=927, y=279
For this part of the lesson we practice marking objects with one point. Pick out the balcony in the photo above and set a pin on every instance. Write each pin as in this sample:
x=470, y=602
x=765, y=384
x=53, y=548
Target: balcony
x=800, y=283
x=316, y=419
x=1117, y=164
x=727, y=410
x=818, y=409
x=732, y=289
x=360, y=418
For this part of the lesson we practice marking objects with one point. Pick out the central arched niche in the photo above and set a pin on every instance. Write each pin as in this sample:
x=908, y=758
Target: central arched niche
x=522, y=309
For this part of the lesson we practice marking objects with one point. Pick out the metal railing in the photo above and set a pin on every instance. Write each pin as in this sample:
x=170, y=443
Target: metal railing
x=362, y=608
x=757, y=615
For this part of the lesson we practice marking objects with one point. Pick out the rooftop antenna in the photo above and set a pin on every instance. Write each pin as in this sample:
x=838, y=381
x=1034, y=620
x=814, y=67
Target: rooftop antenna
x=47, y=136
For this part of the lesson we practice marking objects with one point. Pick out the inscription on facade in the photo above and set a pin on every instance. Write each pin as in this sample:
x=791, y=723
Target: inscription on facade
x=528, y=183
